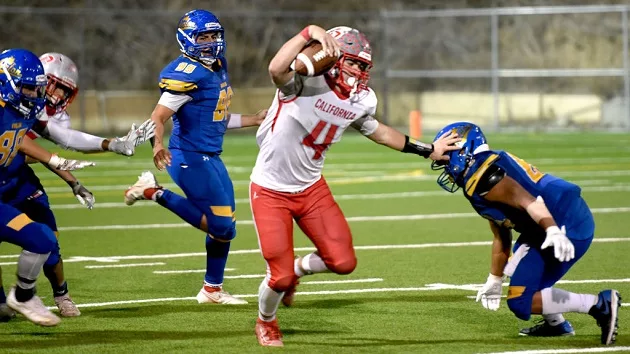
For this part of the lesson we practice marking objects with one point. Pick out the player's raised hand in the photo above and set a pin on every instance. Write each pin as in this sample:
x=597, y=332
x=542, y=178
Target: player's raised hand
x=139, y=135
x=121, y=146
x=329, y=44
x=60, y=163
x=444, y=144
x=84, y=196
x=490, y=292
x=162, y=158
x=563, y=248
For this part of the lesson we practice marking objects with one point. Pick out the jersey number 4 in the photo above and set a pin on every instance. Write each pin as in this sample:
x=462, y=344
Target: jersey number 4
x=10, y=142
x=310, y=139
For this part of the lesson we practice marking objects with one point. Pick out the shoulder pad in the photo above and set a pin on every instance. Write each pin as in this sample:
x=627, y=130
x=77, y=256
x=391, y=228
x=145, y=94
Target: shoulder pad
x=475, y=178
x=179, y=76
x=493, y=175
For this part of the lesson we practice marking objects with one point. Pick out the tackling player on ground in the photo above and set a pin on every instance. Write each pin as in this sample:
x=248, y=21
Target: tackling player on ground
x=22, y=86
x=196, y=92
x=556, y=229
x=309, y=114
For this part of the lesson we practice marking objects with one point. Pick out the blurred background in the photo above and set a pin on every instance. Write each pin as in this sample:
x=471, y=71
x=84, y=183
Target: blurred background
x=504, y=64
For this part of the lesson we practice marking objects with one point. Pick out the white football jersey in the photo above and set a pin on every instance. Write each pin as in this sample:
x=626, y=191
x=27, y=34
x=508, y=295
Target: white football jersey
x=305, y=118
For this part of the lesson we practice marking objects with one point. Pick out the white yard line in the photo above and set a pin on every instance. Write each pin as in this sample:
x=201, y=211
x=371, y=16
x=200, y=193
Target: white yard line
x=129, y=265
x=301, y=293
x=568, y=351
x=186, y=271
x=110, y=259
x=350, y=219
x=349, y=281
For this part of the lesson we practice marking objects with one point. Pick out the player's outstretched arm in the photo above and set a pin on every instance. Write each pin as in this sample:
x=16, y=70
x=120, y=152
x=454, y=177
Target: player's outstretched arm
x=80, y=141
x=280, y=66
x=490, y=292
x=32, y=149
x=396, y=140
x=236, y=121
x=161, y=155
x=83, y=195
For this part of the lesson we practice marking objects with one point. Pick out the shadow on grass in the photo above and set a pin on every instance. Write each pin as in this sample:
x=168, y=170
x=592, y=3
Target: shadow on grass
x=339, y=303
x=157, y=310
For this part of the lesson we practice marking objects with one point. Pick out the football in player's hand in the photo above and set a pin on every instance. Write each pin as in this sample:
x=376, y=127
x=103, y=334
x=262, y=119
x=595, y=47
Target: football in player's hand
x=313, y=61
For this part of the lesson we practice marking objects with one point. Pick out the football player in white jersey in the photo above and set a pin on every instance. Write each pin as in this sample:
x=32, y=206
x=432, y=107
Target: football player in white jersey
x=309, y=114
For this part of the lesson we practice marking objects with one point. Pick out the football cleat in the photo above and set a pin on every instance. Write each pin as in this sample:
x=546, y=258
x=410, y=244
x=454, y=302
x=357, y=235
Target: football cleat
x=605, y=313
x=34, y=310
x=6, y=313
x=143, y=189
x=544, y=329
x=67, y=308
x=268, y=333
x=218, y=297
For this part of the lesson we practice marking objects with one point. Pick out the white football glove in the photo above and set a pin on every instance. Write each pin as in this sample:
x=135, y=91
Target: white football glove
x=562, y=247
x=139, y=135
x=122, y=147
x=84, y=196
x=490, y=293
x=62, y=164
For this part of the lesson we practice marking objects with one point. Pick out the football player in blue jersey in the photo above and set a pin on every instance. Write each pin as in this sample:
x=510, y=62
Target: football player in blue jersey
x=22, y=85
x=196, y=92
x=556, y=229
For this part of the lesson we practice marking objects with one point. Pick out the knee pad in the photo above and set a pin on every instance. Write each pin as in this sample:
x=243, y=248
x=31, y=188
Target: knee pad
x=520, y=303
x=41, y=238
x=55, y=256
x=283, y=282
x=343, y=267
x=223, y=229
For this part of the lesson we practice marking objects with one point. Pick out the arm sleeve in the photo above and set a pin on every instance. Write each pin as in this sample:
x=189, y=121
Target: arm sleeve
x=292, y=88
x=72, y=139
x=366, y=125
x=172, y=101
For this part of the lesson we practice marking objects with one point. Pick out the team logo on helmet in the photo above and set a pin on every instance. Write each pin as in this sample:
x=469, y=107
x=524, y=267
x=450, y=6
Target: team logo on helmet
x=186, y=24
x=8, y=64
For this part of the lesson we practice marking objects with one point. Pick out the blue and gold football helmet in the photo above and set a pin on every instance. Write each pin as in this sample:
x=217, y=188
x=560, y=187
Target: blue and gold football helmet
x=473, y=141
x=22, y=81
x=193, y=24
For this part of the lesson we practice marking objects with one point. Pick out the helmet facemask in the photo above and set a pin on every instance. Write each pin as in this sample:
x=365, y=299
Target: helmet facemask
x=59, y=94
x=28, y=98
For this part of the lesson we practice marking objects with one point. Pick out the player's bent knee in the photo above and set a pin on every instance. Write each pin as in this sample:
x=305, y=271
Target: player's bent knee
x=282, y=283
x=223, y=230
x=521, y=306
x=41, y=237
x=343, y=267
x=54, y=257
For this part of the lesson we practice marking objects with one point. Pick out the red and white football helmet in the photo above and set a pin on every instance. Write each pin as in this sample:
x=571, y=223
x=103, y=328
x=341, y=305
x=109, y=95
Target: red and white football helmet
x=62, y=73
x=354, y=45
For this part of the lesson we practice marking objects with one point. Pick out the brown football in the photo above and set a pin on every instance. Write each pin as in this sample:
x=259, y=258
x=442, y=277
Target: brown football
x=312, y=61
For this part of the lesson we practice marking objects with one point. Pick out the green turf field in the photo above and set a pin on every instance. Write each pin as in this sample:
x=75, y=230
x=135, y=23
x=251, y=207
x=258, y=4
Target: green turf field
x=417, y=246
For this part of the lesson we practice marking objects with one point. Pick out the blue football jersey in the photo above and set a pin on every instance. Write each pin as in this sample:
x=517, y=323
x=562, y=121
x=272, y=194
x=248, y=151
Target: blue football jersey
x=199, y=125
x=561, y=197
x=13, y=128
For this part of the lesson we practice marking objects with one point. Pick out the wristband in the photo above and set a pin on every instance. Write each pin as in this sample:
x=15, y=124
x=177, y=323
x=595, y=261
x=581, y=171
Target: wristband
x=235, y=121
x=413, y=146
x=304, y=34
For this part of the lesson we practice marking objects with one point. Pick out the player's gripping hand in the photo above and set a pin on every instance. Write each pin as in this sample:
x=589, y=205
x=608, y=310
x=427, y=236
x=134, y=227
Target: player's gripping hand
x=444, y=144
x=490, y=293
x=84, y=196
x=329, y=44
x=162, y=158
x=563, y=249
x=60, y=163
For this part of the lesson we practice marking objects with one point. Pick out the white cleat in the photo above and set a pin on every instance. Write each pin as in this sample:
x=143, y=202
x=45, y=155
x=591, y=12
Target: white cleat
x=137, y=192
x=67, y=307
x=218, y=297
x=34, y=310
